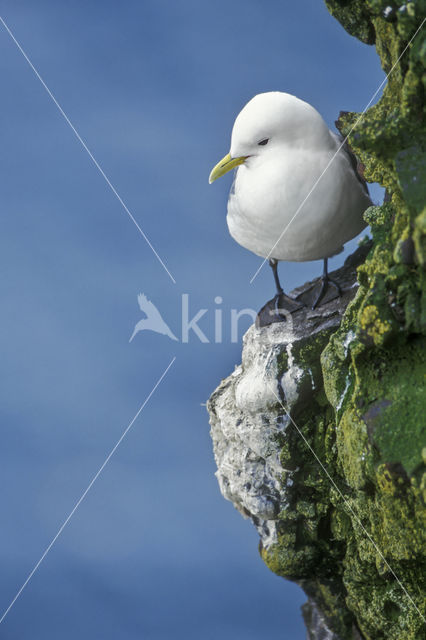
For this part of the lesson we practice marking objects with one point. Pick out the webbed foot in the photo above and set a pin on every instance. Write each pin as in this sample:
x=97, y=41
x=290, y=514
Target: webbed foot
x=277, y=310
x=320, y=291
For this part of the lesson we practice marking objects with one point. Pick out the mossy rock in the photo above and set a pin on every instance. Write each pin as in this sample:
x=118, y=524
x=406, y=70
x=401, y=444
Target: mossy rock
x=361, y=546
x=339, y=475
x=375, y=365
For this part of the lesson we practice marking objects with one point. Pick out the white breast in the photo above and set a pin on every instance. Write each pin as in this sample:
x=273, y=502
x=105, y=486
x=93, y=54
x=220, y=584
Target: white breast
x=276, y=210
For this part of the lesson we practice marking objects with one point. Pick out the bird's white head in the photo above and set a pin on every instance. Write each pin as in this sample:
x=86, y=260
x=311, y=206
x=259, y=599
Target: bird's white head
x=270, y=121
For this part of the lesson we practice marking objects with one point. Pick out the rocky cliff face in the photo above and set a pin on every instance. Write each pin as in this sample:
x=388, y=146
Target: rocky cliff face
x=319, y=434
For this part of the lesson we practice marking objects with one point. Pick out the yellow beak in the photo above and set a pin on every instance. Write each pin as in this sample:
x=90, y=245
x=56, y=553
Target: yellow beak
x=226, y=164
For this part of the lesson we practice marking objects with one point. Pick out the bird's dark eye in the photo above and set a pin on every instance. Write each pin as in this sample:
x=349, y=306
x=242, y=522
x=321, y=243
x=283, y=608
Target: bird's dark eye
x=263, y=142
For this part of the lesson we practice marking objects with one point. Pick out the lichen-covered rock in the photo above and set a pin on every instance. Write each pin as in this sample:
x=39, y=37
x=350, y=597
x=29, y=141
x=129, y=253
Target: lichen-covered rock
x=338, y=490
x=265, y=460
x=248, y=425
x=378, y=354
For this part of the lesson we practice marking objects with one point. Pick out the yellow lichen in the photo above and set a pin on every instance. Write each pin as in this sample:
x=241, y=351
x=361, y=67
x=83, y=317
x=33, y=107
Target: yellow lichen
x=372, y=324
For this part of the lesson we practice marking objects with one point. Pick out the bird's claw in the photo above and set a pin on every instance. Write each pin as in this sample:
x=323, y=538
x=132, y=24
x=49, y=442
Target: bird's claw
x=325, y=284
x=306, y=297
x=279, y=309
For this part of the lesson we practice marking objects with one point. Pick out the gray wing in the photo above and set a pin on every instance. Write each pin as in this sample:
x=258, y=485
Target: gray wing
x=355, y=163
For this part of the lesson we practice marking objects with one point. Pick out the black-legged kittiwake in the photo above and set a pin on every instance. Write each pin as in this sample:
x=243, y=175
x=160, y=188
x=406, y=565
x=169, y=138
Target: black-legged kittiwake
x=296, y=195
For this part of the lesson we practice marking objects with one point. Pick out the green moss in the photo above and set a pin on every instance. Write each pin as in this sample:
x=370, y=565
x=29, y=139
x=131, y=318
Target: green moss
x=380, y=423
x=355, y=538
x=410, y=166
x=354, y=18
x=396, y=418
x=419, y=240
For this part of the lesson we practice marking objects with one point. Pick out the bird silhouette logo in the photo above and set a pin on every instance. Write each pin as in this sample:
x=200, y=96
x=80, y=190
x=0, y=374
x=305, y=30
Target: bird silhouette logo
x=153, y=320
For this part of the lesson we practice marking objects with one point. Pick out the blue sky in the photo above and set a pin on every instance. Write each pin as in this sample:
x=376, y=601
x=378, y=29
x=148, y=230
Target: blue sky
x=153, y=87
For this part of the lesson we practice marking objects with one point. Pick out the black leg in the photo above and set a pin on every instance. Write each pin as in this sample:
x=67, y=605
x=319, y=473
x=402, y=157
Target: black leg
x=274, y=266
x=277, y=309
x=281, y=301
x=325, y=283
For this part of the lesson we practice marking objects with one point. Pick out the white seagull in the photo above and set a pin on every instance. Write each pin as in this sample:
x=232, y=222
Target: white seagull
x=284, y=150
x=153, y=320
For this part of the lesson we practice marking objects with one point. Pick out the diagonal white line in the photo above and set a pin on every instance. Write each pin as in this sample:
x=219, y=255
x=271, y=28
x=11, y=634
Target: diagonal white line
x=89, y=486
x=349, y=507
x=90, y=154
x=338, y=150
